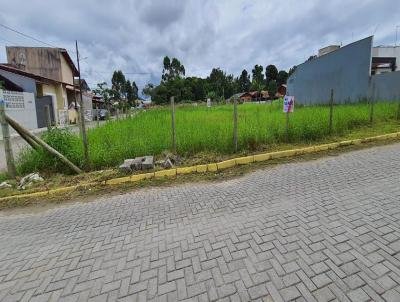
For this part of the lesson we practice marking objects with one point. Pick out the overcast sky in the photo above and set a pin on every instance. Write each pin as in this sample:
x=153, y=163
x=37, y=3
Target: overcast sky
x=134, y=36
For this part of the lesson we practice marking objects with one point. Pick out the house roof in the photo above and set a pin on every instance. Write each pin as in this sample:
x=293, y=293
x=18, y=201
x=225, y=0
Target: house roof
x=63, y=52
x=71, y=64
x=239, y=95
x=9, y=68
x=10, y=85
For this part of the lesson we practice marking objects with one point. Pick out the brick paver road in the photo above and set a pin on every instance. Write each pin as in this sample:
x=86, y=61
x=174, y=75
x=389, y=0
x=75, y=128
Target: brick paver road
x=313, y=231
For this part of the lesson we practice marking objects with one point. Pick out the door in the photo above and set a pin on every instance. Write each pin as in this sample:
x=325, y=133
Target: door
x=41, y=102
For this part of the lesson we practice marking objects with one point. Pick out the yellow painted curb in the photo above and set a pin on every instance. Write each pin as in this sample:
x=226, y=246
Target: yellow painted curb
x=262, y=157
x=212, y=167
x=281, y=154
x=245, y=160
x=306, y=150
x=201, y=168
x=139, y=177
x=186, y=170
x=357, y=141
x=165, y=173
x=226, y=164
x=344, y=143
x=62, y=190
x=117, y=181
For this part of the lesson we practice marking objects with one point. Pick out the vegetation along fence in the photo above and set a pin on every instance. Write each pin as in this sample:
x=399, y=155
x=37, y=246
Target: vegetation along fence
x=211, y=131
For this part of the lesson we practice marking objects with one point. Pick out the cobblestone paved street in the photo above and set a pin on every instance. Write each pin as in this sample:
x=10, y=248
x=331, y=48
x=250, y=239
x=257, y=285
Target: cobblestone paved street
x=324, y=230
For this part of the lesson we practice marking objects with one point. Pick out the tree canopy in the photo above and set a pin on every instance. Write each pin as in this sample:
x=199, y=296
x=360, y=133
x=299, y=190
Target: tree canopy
x=271, y=72
x=218, y=85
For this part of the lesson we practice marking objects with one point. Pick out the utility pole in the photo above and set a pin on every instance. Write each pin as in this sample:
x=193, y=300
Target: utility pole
x=81, y=112
x=7, y=142
x=173, y=124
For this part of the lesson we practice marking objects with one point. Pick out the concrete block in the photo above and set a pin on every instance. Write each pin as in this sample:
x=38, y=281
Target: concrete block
x=147, y=163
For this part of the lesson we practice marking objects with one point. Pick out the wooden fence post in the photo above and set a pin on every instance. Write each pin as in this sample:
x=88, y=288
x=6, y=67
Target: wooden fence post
x=47, y=117
x=398, y=107
x=287, y=126
x=97, y=115
x=173, y=124
x=235, y=125
x=372, y=101
x=6, y=140
x=331, y=113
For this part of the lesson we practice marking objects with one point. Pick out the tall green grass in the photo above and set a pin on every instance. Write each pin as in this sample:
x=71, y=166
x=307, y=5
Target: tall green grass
x=201, y=129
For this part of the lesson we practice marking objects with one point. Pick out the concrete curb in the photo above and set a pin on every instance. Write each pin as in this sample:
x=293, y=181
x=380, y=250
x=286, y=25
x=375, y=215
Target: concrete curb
x=212, y=167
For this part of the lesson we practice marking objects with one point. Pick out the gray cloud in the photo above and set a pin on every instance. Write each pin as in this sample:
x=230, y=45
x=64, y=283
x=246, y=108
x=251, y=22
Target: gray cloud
x=135, y=35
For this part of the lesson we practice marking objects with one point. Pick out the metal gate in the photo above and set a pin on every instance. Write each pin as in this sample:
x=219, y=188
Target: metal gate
x=41, y=102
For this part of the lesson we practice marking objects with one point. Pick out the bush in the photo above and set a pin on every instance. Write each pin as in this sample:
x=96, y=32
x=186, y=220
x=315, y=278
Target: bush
x=63, y=141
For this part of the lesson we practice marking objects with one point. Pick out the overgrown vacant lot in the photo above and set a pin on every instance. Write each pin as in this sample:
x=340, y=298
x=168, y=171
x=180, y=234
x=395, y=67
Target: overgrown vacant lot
x=200, y=129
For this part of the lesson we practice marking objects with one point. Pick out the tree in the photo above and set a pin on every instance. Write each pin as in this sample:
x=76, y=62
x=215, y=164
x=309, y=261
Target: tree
x=118, y=85
x=310, y=58
x=131, y=92
x=258, y=76
x=271, y=73
x=272, y=89
x=216, y=81
x=292, y=70
x=282, y=77
x=172, y=69
x=244, y=82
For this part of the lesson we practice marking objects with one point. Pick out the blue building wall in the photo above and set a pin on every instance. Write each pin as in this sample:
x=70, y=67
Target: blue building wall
x=27, y=84
x=346, y=71
x=387, y=86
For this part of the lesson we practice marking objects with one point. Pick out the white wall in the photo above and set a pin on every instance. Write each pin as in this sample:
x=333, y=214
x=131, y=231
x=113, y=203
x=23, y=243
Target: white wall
x=21, y=107
x=387, y=51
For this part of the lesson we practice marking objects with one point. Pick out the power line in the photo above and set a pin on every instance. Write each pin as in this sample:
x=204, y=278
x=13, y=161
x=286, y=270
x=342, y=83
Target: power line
x=31, y=37
x=26, y=35
x=51, y=45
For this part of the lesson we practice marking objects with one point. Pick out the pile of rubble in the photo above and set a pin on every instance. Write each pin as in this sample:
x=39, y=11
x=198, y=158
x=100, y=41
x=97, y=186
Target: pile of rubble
x=147, y=163
x=137, y=164
x=25, y=181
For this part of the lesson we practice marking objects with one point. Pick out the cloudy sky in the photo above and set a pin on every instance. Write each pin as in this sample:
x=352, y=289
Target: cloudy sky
x=134, y=36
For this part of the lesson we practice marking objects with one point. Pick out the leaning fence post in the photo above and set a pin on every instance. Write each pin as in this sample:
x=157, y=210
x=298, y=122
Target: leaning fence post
x=173, y=124
x=47, y=116
x=372, y=101
x=7, y=143
x=235, y=125
x=331, y=113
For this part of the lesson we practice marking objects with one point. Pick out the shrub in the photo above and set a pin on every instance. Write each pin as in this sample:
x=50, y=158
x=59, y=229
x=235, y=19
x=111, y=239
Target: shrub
x=63, y=141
